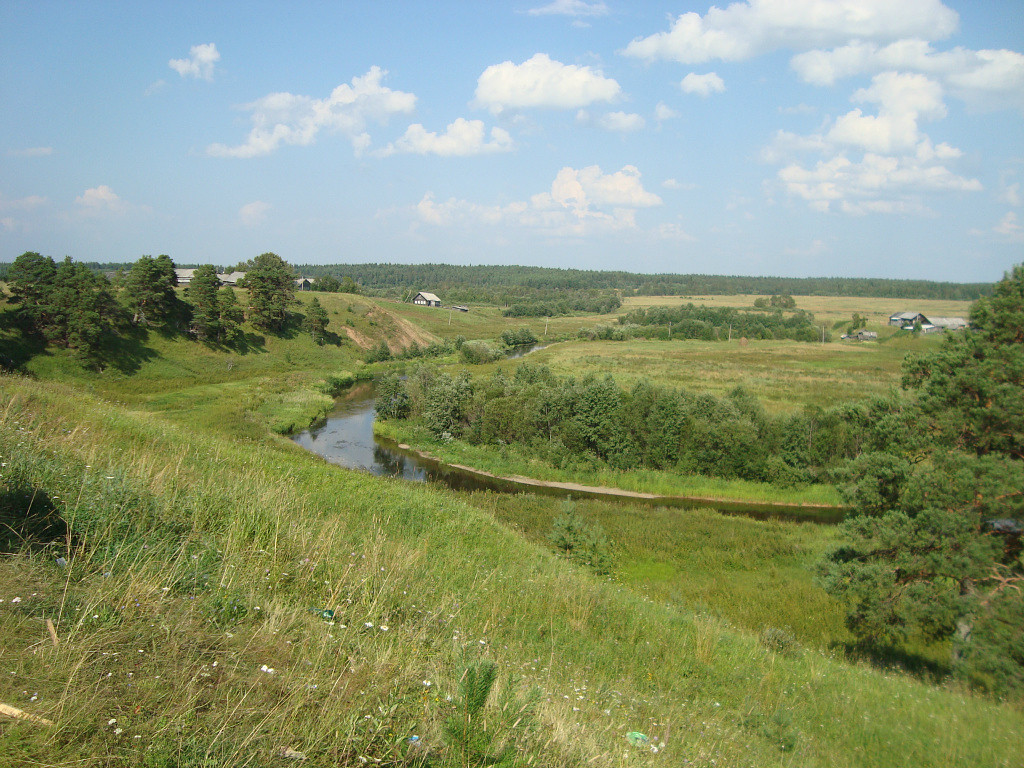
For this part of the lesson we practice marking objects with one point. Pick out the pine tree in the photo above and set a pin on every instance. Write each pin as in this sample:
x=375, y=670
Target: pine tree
x=933, y=546
x=202, y=295
x=149, y=289
x=271, y=291
x=316, y=320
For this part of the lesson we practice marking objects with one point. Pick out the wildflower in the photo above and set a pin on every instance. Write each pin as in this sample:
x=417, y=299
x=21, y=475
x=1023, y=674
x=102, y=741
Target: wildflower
x=118, y=731
x=383, y=628
x=268, y=670
x=112, y=721
x=427, y=683
x=368, y=625
x=16, y=600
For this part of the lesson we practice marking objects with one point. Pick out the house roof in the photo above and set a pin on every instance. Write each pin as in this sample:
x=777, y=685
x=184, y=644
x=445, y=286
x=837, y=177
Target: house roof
x=949, y=322
x=905, y=315
x=428, y=296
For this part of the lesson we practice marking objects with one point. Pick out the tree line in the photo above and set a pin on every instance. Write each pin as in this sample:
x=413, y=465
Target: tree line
x=591, y=421
x=503, y=285
x=721, y=323
x=71, y=305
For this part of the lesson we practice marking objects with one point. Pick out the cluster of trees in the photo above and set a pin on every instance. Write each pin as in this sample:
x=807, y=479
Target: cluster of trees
x=68, y=305
x=71, y=305
x=933, y=547
x=575, y=422
x=775, y=301
x=560, y=302
x=720, y=323
x=506, y=285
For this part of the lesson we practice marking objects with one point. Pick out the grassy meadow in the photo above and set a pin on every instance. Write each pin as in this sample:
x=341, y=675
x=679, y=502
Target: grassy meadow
x=189, y=626
x=784, y=375
x=219, y=597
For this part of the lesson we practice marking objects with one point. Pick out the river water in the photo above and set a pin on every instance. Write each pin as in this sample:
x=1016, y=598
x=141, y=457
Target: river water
x=346, y=438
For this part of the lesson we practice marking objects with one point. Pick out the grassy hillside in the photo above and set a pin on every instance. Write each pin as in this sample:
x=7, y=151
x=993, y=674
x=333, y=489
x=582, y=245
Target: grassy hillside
x=185, y=635
x=219, y=597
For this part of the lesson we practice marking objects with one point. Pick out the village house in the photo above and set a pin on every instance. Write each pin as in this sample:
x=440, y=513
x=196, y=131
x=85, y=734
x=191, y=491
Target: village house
x=425, y=299
x=907, y=321
x=304, y=284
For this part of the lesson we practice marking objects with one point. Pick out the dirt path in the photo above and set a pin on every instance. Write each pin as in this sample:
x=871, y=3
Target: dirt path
x=598, y=491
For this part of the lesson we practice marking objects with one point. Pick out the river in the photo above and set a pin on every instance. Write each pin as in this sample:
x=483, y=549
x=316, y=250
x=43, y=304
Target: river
x=346, y=438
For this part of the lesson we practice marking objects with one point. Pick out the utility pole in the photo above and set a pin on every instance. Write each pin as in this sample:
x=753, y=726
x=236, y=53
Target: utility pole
x=546, y=326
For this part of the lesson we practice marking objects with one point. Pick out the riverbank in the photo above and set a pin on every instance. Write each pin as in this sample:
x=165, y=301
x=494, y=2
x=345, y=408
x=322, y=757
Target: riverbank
x=819, y=503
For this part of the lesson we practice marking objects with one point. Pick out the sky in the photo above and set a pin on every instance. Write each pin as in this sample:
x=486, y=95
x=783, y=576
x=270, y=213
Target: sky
x=798, y=138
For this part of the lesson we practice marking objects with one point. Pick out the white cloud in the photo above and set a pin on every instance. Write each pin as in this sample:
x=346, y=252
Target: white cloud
x=31, y=152
x=1010, y=228
x=285, y=118
x=987, y=78
x=200, y=62
x=664, y=112
x=743, y=30
x=875, y=184
x=542, y=82
x=579, y=202
x=702, y=85
x=621, y=122
x=570, y=8
x=903, y=99
x=1011, y=194
x=100, y=200
x=461, y=138
x=253, y=213
x=23, y=203
x=155, y=88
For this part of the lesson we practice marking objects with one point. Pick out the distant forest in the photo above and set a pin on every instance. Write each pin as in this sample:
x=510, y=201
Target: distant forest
x=510, y=285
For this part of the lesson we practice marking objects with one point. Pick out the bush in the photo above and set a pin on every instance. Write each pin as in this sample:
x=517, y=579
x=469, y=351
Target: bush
x=478, y=352
x=581, y=541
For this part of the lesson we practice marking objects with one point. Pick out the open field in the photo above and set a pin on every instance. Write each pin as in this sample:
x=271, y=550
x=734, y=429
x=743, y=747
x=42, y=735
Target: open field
x=186, y=635
x=826, y=309
x=784, y=375
x=483, y=322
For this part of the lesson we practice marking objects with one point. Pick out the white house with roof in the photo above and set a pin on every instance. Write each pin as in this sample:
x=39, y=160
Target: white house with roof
x=425, y=299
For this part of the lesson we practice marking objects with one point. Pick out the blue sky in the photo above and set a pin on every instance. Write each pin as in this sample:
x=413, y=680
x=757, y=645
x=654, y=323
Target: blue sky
x=768, y=137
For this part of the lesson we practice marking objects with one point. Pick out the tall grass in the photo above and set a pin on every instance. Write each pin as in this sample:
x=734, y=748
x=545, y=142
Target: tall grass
x=184, y=616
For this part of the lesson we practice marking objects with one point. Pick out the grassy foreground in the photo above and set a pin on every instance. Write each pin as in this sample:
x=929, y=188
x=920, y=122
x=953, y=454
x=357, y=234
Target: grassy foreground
x=185, y=635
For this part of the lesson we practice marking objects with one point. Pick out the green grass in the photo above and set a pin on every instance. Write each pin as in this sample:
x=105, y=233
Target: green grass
x=784, y=375
x=191, y=548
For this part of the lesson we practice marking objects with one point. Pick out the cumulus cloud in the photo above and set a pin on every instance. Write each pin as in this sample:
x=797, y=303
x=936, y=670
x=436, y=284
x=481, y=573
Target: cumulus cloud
x=286, y=118
x=200, y=62
x=621, y=122
x=702, y=85
x=1010, y=228
x=580, y=201
x=903, y=100
x=100, y=200
x=542, y=82
x=900, y=163
x=743, y=30
x=461, y=138
x=663, y=112
x=986, y=78
x=253, y=213
x=570, y=8
x=876, y=184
